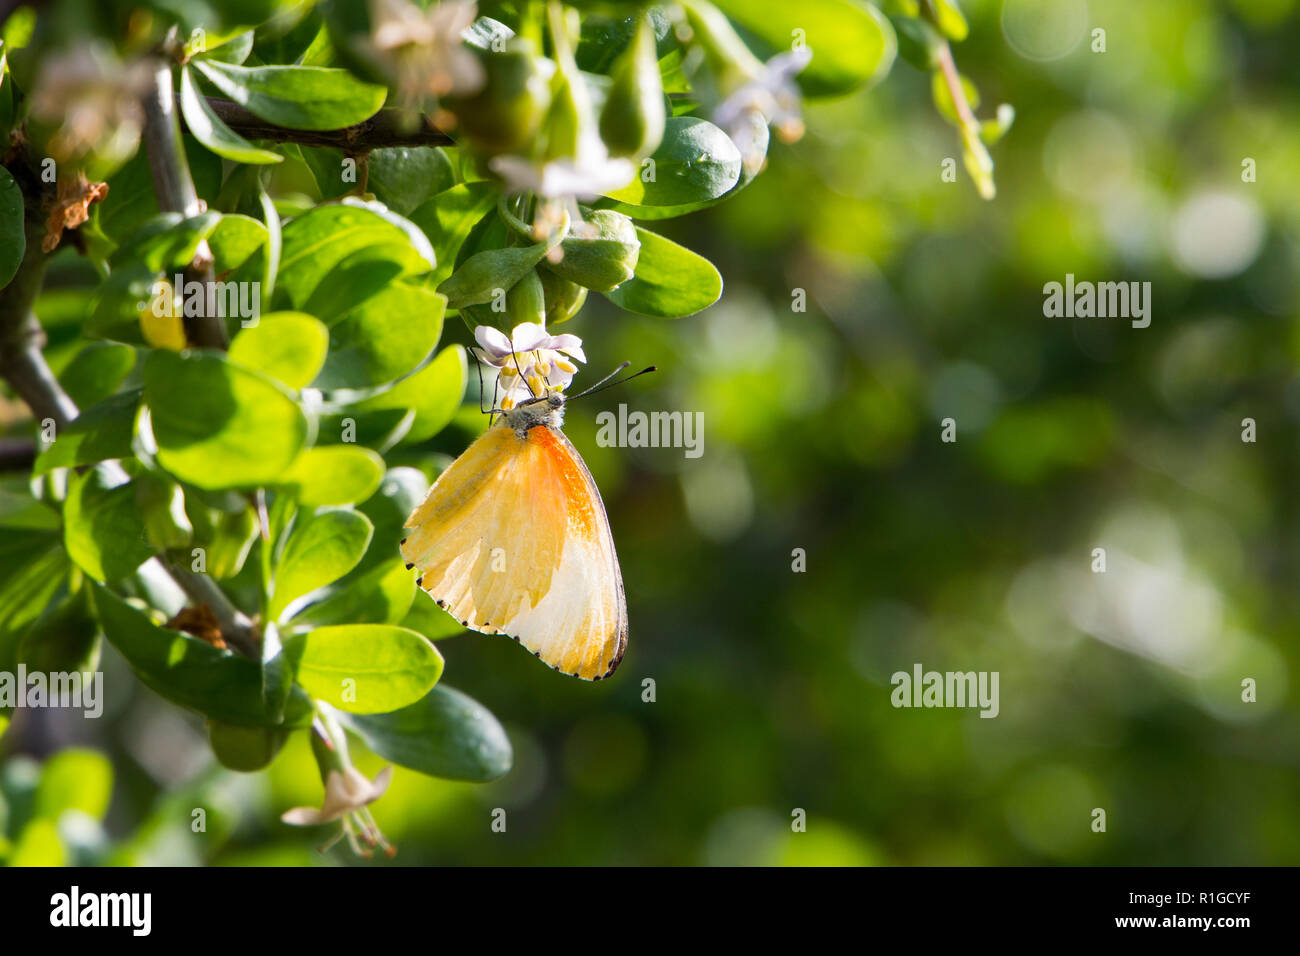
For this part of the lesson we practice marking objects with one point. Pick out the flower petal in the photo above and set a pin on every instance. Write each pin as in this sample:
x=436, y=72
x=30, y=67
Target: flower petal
x=493, y=340
x=528, y=336
x=303, y=817
x=569, y=344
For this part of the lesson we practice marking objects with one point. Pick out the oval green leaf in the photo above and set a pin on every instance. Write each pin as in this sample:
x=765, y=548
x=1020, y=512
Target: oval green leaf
x=314, y=244
x=208, y=128
x=192, y=673
x=364, y=668
x=288, y=346
x=101, y=432
x=433, y=394
x=670, y=282
x=383, y=338
x=334, y=475
x=220, y=425
x=322, y=548
x=381, y=595
x=851, y=43
x=299, y=97
x=694, y=163
x=102, y=529
x=446, y=734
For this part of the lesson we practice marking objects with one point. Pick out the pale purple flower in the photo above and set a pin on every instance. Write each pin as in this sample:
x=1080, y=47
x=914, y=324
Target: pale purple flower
x=345, y=792
x=593, y=172
x=531, y=362
x=771, y=97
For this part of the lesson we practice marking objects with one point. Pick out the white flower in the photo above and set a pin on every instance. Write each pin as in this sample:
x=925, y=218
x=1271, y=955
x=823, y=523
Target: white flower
x=96, y=99
x=345, y=792
x=425, y=49
x=531, y=362
x=770, y=97
x=593, y=172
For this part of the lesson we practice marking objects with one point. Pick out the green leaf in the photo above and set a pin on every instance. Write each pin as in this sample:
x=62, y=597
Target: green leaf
x=334, y=475
x=18, y=509
x=919, y=43
x=315, y=244
x=191, y=672
x=402, y=490
x=234, y=241
x=448, y=218
x=167, y=240
x=400, y=177
x=380, y=595
x=120, y=302
x=364, y=668
x=484, y=275
x=102, y=529
x=34, y=567
x=288, y=346
x=233, y=49
x=694, y=163
x=208, y=128
x=383, y=338
x=96, y=372
x=670, y=282
x=952, y=22
x=64, y=639
x=433, y=393
x=943, y=96
x=322, y=548
x=447, y=734
x=299, y=97
x=74, y=779
x=100, y=432
x=38, y=845
x=852, y=43
x=220, y=425
x=13, y=236
x=403, y=177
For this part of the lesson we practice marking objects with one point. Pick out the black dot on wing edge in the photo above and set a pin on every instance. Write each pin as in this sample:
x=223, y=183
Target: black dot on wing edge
x=514, y=637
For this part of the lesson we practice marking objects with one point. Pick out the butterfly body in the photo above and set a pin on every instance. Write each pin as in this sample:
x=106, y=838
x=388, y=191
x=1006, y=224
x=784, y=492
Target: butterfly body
x=513, y=539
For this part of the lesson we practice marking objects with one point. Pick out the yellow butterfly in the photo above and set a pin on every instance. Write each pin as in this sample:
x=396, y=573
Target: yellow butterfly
x=513, y=539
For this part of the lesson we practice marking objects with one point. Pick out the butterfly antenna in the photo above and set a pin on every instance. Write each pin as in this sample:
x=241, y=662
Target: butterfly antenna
x=605, y=382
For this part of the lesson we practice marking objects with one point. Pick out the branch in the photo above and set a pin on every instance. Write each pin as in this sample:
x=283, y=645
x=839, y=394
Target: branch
x=385, y=128
x=175, y=189
x=23, y=367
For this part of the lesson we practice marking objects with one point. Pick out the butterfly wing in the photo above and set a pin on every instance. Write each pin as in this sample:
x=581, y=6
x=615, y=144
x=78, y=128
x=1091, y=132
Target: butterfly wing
x=513, y=539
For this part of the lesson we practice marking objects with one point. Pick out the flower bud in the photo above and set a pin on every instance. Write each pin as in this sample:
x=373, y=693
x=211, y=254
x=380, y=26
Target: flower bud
x=600, y=254
x=632, y=120
x=563, y=298
x=505, y=115
x=526, y=300
x=245, y=748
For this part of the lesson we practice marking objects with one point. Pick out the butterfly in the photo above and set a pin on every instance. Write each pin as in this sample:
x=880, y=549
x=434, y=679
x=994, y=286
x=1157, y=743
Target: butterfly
x=513, y=539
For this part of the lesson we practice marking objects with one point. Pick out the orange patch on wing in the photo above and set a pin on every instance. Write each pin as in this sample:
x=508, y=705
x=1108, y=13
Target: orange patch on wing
x=567, y=471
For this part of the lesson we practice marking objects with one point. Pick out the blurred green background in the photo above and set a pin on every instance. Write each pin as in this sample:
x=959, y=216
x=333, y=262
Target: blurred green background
x=822, y=432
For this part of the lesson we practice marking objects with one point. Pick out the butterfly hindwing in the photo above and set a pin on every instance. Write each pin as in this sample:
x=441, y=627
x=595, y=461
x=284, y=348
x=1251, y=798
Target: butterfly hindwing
x=513, y=539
